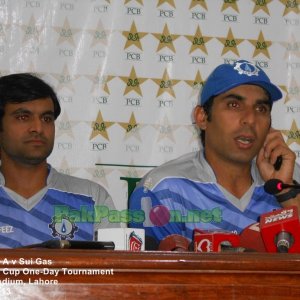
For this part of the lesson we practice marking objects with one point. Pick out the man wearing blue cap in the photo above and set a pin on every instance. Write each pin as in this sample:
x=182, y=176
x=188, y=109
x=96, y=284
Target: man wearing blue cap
x=221, y=187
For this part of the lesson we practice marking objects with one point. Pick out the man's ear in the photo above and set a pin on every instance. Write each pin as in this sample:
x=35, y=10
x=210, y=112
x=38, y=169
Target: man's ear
x=200, y=117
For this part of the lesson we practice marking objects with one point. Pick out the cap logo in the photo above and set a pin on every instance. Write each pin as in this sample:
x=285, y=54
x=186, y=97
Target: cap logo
x=245, y=68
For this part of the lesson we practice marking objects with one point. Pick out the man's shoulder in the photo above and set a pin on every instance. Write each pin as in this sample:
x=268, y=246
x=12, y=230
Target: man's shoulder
x=73, y=184
x=185, y=166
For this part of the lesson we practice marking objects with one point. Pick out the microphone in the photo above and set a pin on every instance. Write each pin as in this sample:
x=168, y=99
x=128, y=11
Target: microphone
x=174, y=242
x=251, y=238
x=67, y=244
x=216, y=241
x=275, y=186
x=280, y=230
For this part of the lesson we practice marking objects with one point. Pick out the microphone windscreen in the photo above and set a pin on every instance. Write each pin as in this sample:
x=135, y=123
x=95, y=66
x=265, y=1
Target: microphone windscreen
x=174, y=242
x=273, y=186
x=251, y=238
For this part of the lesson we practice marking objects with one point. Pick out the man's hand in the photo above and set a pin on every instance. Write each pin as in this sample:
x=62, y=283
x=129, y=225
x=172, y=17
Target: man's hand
x=274, y=147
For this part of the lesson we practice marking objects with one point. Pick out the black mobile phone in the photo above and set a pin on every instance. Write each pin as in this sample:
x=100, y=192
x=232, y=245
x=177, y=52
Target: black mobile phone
x=278, y=163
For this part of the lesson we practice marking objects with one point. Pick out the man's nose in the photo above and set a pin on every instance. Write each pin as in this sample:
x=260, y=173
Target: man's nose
x=36, y=125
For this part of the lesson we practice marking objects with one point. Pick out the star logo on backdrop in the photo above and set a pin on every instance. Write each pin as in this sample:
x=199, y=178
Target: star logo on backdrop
x=232, y=4
x=293, y=135
x=261, y=46
x=100, y=127
x=32, y=31
x=170, y=2
x=100, y=173
x=99, y=35
x=95, y=80
x=104, y=81
x=290, y=6
x=131, y=128
x=65, y=80
x=198, y=41
x=293, y=90
x=230, y=43
x=292, y=47
x=166, y=84
x=196, y=84
x=65, y=169
x=198, y=2
x=138, y=1
x=98, y=82
x=133, y=37
x=64, y=126
x=66, y=33
x=133, y=83
x=261, y=5
x=166, y=39
x=165, y=129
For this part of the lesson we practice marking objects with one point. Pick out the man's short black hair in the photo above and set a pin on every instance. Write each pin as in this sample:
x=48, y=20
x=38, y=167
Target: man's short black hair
x=23, y=87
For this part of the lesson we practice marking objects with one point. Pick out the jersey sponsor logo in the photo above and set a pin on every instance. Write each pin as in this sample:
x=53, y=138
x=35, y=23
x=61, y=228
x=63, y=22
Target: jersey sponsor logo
x=64, y=228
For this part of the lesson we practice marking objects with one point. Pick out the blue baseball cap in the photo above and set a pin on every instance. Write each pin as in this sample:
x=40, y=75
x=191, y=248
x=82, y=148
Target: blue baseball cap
x=228, y=76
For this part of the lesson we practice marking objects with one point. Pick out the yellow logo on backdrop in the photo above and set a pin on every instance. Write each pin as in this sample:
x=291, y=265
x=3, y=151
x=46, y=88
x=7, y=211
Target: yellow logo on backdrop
x=293, y=91
x=292, y=47
x=198, y=41
x=261, y=5
x=166, y=84
x=293, y=135
x=138, y=1
x=230, y=43
x=290, y=6
x=197, y=83
x=99, y=34
x=66, y=33
x=230, y=3
x=170, y=2
x=65, y=80
x=133, y=37
x=166, y=39
x=198, y=2
x=166, y=129
x=32, y=31
x=133, y=82
x=131, y=127
x=100, y=127
x=261, y=46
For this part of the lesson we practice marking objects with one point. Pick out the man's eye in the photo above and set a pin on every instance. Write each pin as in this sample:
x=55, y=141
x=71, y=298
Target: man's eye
x=22, y=117
x=262, y=108
x=233, y=104
x=48, y=119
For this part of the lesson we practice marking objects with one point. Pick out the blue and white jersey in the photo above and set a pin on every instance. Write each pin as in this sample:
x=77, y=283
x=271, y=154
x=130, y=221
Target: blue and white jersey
x=183, y=194
x=67, y=208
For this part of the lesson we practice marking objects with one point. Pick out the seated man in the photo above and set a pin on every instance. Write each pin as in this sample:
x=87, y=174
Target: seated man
x=221, y=187
x=37, y=203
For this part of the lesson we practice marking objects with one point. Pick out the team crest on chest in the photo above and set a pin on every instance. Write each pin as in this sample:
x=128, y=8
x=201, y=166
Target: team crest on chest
x=64, y=228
